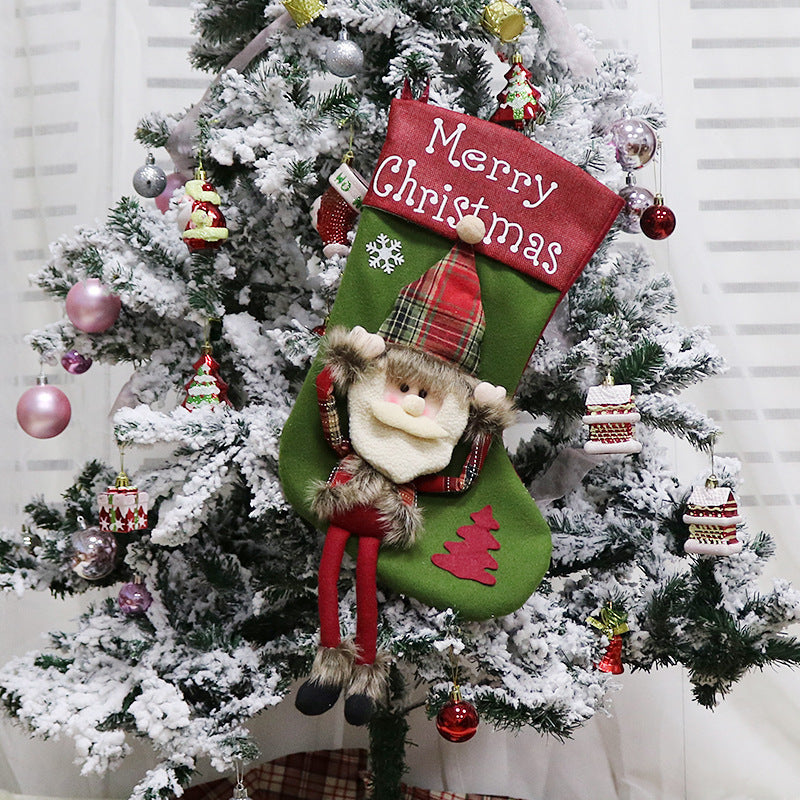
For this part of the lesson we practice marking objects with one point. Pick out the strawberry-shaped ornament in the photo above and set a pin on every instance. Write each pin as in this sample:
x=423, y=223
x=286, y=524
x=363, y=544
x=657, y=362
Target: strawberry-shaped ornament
x=519, y=101
x=334, y=214
x=206, y=389
x=200, y=219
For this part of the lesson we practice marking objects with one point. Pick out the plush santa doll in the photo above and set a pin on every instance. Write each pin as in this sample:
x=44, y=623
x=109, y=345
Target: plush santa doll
x=411, y=395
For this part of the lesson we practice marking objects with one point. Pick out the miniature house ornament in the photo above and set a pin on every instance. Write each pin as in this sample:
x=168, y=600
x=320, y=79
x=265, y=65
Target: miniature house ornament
x=611, y=416
x=712, y=516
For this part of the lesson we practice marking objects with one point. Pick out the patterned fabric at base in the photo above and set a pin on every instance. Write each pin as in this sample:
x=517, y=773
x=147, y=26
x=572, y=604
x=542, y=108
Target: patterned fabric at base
x=321, y=775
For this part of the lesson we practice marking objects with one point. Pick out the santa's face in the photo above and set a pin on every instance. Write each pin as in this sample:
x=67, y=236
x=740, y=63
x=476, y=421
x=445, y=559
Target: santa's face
x=405, y=426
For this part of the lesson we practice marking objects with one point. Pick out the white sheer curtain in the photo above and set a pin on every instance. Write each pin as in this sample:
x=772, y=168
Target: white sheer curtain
x=77, y=74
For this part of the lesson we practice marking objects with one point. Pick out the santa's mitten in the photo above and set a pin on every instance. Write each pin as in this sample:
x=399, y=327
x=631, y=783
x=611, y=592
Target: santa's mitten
x=330, y=673
x=544, y=218
x=367, y=689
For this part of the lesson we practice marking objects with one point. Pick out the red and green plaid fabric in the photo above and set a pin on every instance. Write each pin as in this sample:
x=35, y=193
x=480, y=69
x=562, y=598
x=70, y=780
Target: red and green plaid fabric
x=321, y=775
x=331, y=426
x=441, y=312
x=443, y=484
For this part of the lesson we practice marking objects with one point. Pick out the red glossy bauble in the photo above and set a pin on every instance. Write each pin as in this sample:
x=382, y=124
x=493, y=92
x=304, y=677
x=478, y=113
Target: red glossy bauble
x=457, y=719
x=658, y=221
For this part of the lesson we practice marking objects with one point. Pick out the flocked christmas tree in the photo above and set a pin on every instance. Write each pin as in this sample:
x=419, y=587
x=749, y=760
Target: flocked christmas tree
x=230, y=564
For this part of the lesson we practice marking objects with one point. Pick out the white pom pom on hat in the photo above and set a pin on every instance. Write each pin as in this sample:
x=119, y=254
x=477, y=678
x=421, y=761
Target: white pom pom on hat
x=471, y=229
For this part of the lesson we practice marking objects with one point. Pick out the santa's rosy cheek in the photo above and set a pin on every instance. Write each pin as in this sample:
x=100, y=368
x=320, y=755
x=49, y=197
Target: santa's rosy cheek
x=432, y=407
x=393, y=396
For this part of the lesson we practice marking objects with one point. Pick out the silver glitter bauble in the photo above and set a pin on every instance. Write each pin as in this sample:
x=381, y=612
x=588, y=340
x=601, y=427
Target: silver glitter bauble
x=344, y=57
x=149, y=180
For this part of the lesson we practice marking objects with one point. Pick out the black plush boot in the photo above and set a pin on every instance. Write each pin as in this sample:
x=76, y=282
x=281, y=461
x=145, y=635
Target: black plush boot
x=330, y=673
x=315, y=698
x=358, y=709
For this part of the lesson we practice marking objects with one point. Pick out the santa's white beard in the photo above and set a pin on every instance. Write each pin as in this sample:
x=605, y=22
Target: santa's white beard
x=396, y=453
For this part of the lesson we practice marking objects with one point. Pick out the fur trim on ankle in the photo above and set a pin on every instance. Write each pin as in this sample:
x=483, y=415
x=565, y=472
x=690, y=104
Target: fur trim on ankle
x=333, y=666
x=371, y=680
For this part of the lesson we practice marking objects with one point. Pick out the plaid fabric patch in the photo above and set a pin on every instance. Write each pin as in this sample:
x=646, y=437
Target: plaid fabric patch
x=441, y=312
x=328, y=414
x=321, y=775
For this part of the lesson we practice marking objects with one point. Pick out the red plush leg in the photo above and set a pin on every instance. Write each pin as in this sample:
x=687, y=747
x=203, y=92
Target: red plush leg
x=327, y=591
x=367, y=600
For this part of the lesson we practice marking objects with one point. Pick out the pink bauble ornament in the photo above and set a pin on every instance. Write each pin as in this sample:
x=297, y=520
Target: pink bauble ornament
x=43, y=411
x=174, y=181
x=91, y=307
x=637, y=199
x=635, y=141
x=658, y=221
x=75, y=363
x=134, y=598
x=94, y=553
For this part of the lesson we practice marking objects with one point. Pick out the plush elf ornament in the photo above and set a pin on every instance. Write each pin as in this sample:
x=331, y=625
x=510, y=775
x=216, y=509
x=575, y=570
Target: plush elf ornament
x=411, y=395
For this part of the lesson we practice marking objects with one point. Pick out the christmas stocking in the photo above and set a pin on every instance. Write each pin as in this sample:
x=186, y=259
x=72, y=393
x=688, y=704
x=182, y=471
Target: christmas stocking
x=542, y=219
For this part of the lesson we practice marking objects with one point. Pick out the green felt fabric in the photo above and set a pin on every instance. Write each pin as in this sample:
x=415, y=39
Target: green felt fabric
x=517, y=308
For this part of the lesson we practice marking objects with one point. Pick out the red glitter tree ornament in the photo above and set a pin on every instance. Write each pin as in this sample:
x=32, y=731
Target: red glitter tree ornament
x=206, y=389
x=519, y=101
x=469, y=559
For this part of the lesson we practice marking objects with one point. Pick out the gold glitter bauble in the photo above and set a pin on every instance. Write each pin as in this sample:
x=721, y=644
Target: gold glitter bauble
x=504, y=20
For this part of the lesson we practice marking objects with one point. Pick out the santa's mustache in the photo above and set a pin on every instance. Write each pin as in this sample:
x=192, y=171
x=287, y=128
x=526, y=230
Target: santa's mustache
x=392, y=414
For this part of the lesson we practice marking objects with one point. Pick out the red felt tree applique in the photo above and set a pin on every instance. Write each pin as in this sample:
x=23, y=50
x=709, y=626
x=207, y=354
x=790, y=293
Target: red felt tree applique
x=469, y=559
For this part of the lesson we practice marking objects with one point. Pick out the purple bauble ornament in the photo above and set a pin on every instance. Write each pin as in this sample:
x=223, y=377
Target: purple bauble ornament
x=635, y=141
x=43, y=411
x=637, y=199
x=134, y=598
x=91, y=307
x=93, y=553
x=174, y=181
x=74, y=363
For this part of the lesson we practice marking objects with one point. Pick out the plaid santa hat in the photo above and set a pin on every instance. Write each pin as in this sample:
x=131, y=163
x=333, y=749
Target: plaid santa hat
x=441, y=312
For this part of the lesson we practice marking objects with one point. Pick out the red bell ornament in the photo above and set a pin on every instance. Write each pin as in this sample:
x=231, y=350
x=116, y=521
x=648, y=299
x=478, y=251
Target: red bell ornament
x=612, y=624
x=657, y=221
x=457, y=720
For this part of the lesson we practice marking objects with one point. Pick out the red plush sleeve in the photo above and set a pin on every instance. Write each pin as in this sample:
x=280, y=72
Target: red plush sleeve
x=472, y=466
x=331, y=426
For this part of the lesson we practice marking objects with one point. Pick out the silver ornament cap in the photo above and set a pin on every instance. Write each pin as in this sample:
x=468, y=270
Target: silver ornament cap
x=344, y=57
x=149, y=180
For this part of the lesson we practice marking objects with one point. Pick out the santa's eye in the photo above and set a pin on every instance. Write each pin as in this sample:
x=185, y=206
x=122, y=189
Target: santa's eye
x=423, y=393
x=403, y=387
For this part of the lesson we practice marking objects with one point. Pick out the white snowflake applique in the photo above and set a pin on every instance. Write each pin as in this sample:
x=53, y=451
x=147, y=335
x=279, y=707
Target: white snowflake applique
x=385, y=253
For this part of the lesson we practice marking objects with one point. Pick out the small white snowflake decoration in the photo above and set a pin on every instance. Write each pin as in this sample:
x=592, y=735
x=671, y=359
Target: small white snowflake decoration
x=385, y=253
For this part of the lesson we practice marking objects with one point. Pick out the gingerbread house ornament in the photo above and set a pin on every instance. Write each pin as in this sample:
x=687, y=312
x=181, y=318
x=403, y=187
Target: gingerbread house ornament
x=123, y=508
x=712, y=516
x=611, y=416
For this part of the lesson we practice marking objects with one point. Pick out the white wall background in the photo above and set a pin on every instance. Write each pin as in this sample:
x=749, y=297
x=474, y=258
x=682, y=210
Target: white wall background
x=76, y=76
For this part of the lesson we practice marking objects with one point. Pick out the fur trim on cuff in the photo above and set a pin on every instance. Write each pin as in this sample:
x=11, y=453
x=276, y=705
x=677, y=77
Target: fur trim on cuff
x=348, y=364
x=371, y=680
x=404, y=522
x=489, y=419
x=333, y=666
